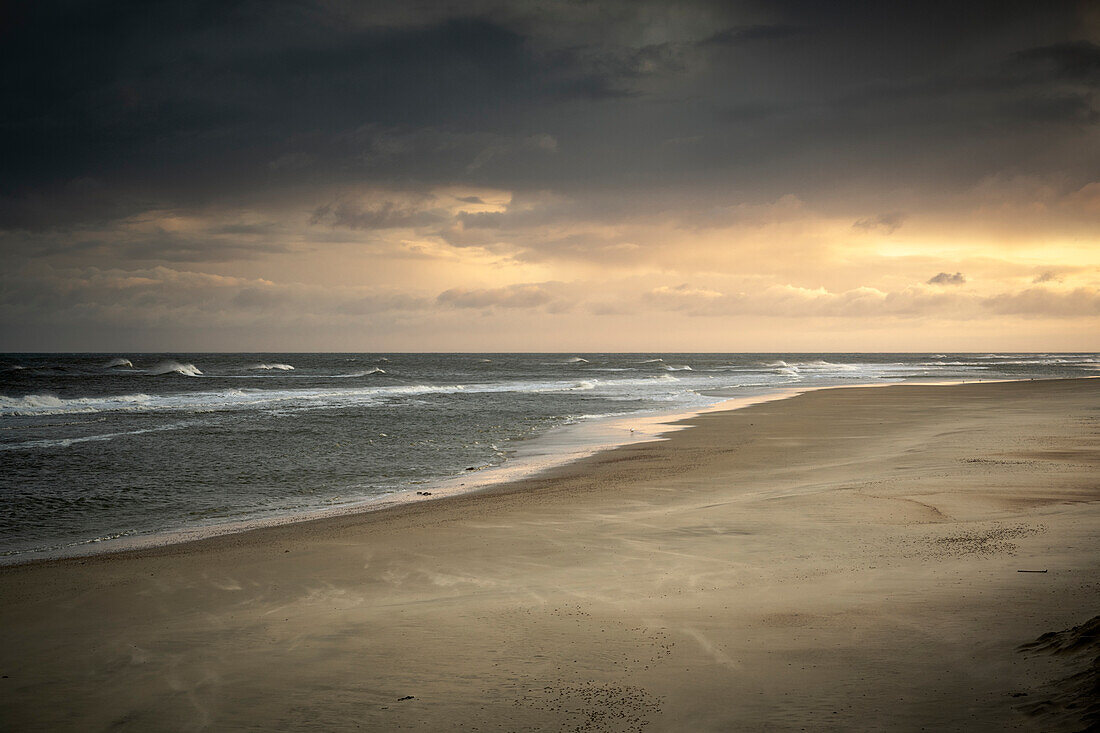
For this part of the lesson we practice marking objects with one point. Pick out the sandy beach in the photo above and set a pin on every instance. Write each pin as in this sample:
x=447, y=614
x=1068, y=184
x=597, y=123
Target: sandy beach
x=848, y=559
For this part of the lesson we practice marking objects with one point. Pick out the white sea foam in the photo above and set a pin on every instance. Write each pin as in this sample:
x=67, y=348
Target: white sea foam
x=678, y=368
x=67, y=442
x=366, y=373
x=277, y=367
x=48, y=404
x=819, y=364
x=174, y=367
x=732, y=368
x=1043, y=362
x=971, y=364
x=311, y=399
x=574, y=419
x=18, y=405
x=576, y=360
x=815, y=366
x=118, y=362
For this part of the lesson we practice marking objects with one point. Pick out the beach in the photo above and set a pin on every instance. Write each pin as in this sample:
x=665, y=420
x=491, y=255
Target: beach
x=846, y=559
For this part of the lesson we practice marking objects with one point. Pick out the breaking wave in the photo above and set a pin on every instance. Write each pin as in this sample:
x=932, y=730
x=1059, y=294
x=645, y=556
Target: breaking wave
x=119, y=362
x=174, y=367
x=815, y=365
x=366, y=373
x=277, y=367
x=678, y=368
x=820, y=364
x=576, y=360
x=302, y=399
x=48, y=404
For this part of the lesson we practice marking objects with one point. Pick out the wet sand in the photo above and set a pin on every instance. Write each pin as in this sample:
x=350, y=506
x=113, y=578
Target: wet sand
x=847, y=559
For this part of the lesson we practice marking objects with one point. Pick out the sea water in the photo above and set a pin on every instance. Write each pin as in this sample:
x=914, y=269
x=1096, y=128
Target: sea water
x=95, y=447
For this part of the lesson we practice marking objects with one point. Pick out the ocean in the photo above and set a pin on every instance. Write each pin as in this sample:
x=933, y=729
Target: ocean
x=95, y=448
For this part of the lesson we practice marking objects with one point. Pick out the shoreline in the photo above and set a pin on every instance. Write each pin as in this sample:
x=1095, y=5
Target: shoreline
x=558, y=448
x=844, y=559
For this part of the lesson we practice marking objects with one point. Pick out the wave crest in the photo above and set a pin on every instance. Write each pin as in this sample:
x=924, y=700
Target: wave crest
x=367, y=373
x=174, y=367
x=277, y=367
x=118, y=362
x=48, y=404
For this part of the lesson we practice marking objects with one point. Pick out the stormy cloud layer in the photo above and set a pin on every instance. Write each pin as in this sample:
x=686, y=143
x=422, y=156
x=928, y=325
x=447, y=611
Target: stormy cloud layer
x=432, y=175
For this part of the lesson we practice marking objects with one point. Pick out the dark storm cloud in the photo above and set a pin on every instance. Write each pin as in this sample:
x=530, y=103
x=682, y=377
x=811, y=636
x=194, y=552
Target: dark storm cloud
x=116, y=107
x=227, y=243
x=184, y=100
x=1077, y=60
x=748, y=33
x=385, y=215
x=174, y=248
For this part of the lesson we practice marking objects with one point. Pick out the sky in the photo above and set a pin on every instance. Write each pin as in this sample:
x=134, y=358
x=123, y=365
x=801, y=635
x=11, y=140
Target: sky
x=581, y=175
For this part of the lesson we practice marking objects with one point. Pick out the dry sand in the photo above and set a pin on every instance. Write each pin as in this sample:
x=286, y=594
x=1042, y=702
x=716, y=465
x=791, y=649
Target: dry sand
x=846, y=559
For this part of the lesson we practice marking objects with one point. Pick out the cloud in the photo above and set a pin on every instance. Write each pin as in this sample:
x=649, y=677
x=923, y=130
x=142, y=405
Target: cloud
x=512, y=296
x=1045, y=302
x=295, y=161
x=294, y=100
x=683, y=295
x=540, y=142
x=946, y=278
x=383, y=215
x=1047, y=277
x=888, y=223
x=1074, y=60
x=155, y=235
x=150, y=296
x=741, y=34
x=437, y=150
x=867, y=303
